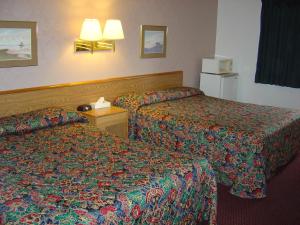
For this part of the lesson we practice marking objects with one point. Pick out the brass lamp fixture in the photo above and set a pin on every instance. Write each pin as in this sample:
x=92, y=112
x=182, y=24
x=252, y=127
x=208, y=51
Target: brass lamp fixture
x=91, y=37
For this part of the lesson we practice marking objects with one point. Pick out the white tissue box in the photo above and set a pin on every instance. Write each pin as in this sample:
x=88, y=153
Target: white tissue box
x=97, y=105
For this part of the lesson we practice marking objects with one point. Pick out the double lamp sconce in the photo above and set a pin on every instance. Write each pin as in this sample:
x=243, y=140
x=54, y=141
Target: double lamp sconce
x=92, y=39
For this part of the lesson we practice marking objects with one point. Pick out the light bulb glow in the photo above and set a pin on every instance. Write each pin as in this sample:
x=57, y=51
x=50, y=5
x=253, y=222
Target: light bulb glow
x=91, y=30
x=113, y=30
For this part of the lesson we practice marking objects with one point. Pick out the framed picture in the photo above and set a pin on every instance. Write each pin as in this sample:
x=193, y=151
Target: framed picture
x=18, y=43
x=153, y=41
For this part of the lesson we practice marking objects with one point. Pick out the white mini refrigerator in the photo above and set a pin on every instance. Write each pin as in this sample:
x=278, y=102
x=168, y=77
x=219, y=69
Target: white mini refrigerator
x=219, y=85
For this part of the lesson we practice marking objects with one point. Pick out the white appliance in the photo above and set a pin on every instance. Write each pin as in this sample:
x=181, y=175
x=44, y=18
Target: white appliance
x=216, y=65
x=219, y=85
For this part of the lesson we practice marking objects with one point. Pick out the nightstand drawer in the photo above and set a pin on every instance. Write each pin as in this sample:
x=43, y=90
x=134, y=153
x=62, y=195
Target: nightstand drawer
x=106, y=121
x=114, y=120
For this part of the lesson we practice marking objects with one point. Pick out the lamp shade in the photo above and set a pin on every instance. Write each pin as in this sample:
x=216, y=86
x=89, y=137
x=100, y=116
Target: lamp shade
x=113, y=30
x=91, y=30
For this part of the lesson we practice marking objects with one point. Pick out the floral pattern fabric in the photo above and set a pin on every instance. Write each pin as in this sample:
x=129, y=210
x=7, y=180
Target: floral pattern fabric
x=38, y=119
x=245, y=143
x=133, y=101
x=74, y=174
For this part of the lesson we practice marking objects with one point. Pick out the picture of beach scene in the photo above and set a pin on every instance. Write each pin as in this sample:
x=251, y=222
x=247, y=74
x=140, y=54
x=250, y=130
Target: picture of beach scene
x=154, y=42
x=15, y=44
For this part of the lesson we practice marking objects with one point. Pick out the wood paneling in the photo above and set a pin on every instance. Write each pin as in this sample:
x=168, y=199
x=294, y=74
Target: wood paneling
x=112, y=119
x=73, y=94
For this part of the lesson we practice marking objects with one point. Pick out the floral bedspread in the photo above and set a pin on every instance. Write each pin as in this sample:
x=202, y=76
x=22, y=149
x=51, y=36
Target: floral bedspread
x=73, y=174
x=245, y=143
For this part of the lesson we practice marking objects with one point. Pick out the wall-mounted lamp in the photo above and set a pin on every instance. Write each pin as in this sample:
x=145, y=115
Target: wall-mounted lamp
x=91, y=37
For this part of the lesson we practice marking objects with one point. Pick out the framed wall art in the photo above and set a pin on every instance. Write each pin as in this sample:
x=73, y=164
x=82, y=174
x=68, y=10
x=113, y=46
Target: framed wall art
x=18, y=43
x=153, y=41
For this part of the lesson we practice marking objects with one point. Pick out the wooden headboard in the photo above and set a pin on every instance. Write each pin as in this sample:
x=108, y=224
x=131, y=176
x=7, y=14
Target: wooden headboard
x=73, y=94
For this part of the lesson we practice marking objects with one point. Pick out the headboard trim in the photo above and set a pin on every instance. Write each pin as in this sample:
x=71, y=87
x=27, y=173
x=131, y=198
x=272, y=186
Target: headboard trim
x=72, y=84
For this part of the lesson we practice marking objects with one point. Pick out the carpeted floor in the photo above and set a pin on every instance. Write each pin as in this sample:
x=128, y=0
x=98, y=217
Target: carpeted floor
x=281, y=207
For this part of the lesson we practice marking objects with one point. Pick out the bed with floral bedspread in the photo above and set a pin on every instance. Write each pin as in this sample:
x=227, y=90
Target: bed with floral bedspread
x=245, y=143
x=70, y=173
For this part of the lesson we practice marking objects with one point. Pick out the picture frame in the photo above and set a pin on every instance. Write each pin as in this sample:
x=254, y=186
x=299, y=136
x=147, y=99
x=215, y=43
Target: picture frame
x=18, y=43
x=153, y=41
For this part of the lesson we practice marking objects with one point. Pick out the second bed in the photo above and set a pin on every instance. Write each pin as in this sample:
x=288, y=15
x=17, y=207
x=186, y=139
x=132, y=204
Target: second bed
x=245, y=143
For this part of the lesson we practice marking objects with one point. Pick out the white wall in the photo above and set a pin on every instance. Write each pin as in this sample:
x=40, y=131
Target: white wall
x=191, y=36
x=238, y=28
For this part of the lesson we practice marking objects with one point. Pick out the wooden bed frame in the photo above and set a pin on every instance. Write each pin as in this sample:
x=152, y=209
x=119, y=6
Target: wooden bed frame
x=73, y=94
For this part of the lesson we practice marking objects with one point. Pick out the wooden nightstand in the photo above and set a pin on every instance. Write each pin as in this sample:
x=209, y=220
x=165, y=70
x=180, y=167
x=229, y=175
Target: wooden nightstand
x=112, y=119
